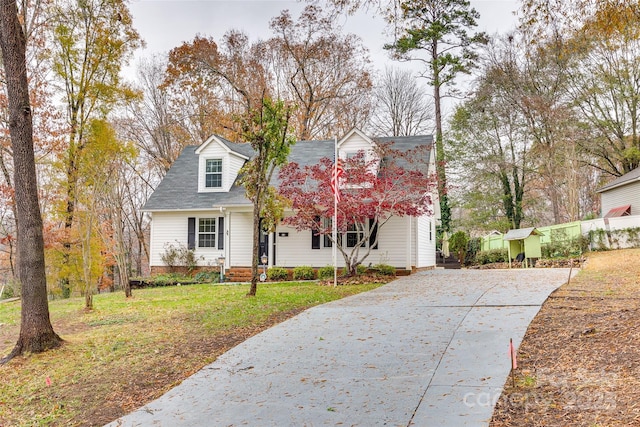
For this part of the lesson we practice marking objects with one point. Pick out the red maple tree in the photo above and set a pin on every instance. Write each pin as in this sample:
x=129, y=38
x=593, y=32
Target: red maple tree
x=373, y=189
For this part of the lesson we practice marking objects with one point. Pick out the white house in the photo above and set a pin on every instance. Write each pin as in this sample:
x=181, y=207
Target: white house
x=621, y=197
x=199, y=204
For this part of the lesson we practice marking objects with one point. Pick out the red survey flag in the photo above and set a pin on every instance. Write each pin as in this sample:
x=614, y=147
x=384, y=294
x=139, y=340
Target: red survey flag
x=512, y=355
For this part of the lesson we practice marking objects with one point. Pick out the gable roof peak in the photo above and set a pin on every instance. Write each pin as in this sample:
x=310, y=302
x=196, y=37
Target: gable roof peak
x=242, y=150
x=356, y=131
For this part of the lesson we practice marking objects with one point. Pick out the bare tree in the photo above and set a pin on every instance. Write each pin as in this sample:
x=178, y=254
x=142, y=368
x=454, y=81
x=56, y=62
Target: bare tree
x=327, y=72
x=150, y=122
x=401, y=105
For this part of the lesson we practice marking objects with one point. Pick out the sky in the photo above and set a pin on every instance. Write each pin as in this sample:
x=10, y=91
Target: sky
x=165, y=24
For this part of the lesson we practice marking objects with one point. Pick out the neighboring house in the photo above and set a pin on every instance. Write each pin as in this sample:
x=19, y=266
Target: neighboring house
x=621, y=197
x=199, y=204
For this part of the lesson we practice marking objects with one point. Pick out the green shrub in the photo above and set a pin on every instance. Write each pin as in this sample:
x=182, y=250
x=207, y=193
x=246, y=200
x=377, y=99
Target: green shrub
x=360, y=270
x=11, y=289
x=207, y=276
x=459, y=242
x=277, y=273
x=325, y=273
x=304, y=273
x=491, y=256
x=474, y=246
x=563, y=248
x=384, y=269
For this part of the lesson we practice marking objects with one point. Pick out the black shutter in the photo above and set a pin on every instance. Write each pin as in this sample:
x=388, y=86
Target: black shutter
x=315, y=237
x=373, y=226
x=220, y=232
x=191, y=234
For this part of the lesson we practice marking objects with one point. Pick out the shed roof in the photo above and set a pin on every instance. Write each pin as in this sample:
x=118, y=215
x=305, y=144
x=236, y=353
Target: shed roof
x=521, y=233
x=619, y=211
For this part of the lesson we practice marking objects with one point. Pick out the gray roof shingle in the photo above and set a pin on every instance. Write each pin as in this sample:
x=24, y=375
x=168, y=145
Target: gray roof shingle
x=178, y=190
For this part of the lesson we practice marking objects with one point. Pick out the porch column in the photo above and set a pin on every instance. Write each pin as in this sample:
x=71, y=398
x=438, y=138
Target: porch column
x=272, y=260
x=227, y=239
x=409, y=246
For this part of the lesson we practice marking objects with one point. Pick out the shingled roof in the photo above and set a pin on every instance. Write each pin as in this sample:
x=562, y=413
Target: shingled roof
x=625, y=179
x=179, y=188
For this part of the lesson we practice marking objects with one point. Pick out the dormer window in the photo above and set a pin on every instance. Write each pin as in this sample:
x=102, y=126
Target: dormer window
x=355, y=159
x=213, y=173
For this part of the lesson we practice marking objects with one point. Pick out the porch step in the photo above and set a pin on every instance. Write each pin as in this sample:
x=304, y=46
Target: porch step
x=238, y=274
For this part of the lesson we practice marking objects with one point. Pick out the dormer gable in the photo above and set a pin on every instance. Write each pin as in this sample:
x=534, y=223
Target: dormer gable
x=356, y=141
x=219, y=162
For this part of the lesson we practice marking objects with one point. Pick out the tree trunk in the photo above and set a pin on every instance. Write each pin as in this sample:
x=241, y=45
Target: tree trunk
x=121, y=256
x=256, y=252
x=445, y=210
x=36, y=332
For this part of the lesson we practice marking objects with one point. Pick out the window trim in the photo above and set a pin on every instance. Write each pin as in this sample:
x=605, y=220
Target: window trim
x=207, y=173
x=326, y=239
x=359, y=235
x=213, y=240
x=319, y=241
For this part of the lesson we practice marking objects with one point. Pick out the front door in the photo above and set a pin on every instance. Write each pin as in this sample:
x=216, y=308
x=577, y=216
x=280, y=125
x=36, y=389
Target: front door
x=263, y=240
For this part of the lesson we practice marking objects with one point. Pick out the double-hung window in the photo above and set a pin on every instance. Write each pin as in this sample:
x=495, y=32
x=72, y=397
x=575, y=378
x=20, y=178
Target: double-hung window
x=327, y=223
x=353, y=236
x=213, y=173
x=207, y=233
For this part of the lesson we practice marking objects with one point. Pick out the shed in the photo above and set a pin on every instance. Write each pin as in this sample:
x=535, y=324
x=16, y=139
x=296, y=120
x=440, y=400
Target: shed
x=525, y=241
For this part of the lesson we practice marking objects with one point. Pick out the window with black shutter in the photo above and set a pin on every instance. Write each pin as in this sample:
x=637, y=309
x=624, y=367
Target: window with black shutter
x=373, y=227
x=221, y=233
x=191, y=233
x=315, y=237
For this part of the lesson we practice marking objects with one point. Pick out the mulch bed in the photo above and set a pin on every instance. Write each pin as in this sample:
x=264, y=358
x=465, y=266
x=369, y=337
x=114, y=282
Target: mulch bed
x=579, y=363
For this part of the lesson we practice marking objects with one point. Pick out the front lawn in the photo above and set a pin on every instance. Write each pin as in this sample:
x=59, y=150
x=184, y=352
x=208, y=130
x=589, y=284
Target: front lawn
x=127, y=352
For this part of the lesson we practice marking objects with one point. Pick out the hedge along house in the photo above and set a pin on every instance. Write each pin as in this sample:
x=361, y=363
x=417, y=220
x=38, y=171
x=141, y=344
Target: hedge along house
x=199, y=205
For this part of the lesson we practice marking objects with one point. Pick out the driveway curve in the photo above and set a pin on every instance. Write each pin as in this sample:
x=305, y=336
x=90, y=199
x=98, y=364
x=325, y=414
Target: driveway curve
x=430, y=349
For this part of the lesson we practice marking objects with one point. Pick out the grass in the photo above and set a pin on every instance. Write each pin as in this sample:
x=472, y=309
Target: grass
x=127, y=352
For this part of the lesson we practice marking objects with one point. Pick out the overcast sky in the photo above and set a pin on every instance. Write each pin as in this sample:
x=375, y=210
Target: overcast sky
x=166, y=24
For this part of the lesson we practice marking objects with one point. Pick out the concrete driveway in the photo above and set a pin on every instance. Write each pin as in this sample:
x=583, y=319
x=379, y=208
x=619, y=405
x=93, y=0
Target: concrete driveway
x=429, y=349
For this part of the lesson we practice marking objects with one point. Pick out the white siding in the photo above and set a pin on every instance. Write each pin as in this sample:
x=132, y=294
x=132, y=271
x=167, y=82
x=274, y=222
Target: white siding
x=295, y=249
x=354, y=144
x=171, y=228
x=240, y=239
x=392, y=246
x=425, y=248
x=168, y=228
x=626, y=195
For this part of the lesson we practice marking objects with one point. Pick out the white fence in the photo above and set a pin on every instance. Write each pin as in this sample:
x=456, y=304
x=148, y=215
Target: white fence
x=603, y=233
x=613, y=233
